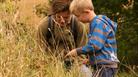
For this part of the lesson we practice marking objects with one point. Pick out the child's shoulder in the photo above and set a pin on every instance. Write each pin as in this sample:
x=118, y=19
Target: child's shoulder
x=97, y=19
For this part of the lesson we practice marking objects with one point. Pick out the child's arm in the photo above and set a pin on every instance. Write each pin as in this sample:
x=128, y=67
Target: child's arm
x=72, y=53
x=96, y=40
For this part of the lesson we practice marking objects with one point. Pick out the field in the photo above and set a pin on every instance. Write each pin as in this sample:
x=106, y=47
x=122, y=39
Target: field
x=20, y=55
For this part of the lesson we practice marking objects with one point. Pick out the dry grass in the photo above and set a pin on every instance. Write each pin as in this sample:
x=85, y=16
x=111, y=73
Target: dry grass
x=27, y=8
x=20, y=56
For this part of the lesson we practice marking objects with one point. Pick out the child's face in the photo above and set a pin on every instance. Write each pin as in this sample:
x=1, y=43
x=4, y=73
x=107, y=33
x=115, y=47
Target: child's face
x=83, y=16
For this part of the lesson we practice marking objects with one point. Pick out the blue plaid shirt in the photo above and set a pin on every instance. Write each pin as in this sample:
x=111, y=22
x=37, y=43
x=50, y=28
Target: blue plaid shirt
x=101, y=46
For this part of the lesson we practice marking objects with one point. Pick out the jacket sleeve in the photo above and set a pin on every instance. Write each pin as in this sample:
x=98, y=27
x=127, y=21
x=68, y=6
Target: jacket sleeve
x=96, y=39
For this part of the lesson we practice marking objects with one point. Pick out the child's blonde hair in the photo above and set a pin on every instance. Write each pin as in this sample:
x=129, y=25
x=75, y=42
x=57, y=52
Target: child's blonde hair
x=80, y=5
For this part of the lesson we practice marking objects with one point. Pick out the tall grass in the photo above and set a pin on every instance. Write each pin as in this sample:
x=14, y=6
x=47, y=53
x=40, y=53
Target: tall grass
x=20, y=55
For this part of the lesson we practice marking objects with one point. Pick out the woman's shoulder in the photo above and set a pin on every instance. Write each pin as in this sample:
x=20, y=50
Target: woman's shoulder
x=43, y=22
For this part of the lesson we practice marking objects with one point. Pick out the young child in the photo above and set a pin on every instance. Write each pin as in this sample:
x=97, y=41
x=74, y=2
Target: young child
x=101, y=46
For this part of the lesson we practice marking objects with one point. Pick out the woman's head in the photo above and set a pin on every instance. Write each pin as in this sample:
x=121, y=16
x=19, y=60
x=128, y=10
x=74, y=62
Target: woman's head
x=60, y=9
x=60, y=6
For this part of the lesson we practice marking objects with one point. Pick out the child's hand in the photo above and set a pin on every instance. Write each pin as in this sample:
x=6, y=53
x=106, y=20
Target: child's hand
x=72, y=53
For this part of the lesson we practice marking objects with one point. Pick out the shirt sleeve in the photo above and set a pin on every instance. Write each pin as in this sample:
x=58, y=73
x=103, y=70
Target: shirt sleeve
x=97, y=38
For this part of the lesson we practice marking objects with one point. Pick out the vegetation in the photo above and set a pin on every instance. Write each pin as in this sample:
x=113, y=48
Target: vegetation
x=20, y=56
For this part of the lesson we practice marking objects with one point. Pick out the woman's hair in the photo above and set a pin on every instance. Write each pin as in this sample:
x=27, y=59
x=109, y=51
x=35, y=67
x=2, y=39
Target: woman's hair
x=80, y=5
x=60, y=5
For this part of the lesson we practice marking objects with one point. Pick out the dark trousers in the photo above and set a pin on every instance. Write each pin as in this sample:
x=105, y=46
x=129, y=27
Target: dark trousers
x=104, y=72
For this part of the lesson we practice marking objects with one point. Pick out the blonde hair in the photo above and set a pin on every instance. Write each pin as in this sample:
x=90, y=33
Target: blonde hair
x=80, y=5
